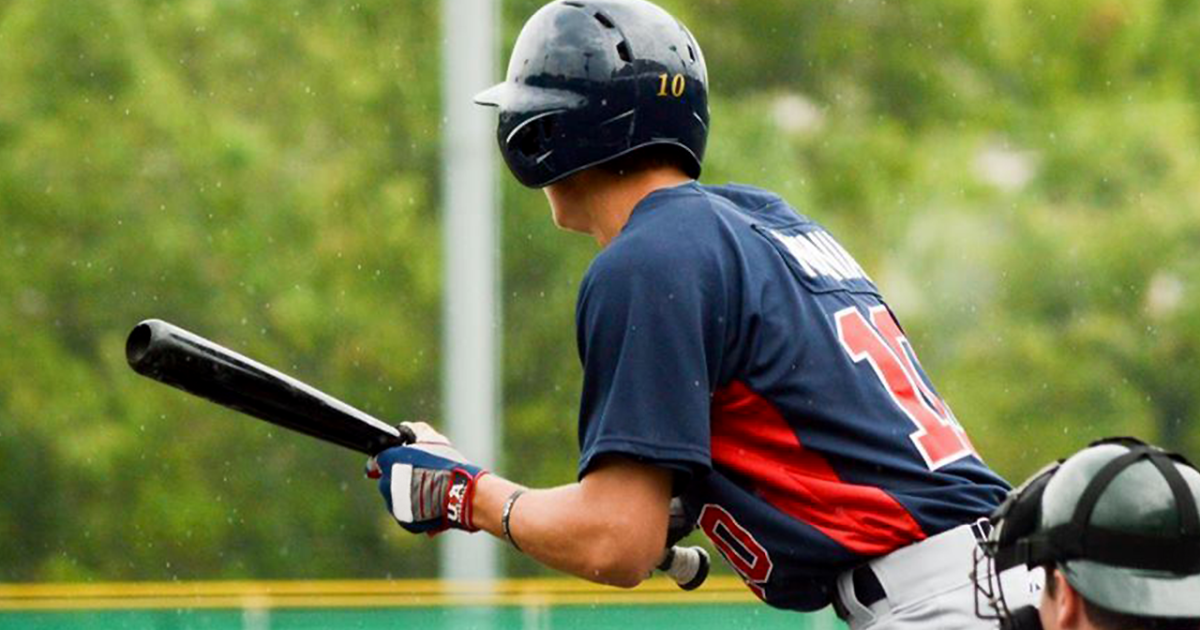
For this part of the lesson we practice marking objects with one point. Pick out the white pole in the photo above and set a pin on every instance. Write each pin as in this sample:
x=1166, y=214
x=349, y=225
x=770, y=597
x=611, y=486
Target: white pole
x=470, y=251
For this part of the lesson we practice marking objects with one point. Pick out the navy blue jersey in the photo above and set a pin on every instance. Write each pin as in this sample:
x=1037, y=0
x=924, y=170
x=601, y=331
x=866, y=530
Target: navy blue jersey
x=730, y=339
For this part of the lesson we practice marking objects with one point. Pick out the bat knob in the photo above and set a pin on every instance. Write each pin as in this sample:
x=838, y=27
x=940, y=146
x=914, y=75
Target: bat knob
x=702, y=566
x=688, y=566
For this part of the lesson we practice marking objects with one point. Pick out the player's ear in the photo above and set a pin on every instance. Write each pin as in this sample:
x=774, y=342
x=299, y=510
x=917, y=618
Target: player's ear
x=1068, y=603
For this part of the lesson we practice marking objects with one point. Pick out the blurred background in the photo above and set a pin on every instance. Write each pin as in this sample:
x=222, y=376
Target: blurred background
x=1021, y=178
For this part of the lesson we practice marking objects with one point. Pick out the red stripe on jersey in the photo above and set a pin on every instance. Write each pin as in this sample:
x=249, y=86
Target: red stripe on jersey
x=751, y=438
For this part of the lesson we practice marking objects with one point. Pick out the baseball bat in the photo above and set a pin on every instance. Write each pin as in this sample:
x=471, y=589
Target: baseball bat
x=186, y=361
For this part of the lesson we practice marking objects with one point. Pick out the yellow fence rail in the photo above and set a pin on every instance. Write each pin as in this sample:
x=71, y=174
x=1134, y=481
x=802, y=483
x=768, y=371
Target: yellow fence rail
x=358, y=594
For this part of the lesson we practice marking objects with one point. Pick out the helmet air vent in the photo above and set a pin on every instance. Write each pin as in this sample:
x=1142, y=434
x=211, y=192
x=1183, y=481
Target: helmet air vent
x=623, y=52
x=605, y=20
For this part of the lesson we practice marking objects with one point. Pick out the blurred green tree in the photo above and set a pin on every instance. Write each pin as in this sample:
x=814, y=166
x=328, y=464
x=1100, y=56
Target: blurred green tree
x=1018, y=176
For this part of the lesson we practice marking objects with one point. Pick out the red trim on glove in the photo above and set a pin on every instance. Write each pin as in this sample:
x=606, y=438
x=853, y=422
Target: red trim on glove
x=460, y=498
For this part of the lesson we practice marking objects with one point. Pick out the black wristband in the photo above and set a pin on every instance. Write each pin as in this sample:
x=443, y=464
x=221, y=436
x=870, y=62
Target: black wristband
x=506, y=513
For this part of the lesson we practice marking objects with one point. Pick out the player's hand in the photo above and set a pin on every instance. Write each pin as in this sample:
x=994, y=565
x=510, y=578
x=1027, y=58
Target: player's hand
x=428, y=486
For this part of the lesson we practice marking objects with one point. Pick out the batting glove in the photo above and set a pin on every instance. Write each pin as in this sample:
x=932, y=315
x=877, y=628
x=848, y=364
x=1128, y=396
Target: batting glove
x=429, y=486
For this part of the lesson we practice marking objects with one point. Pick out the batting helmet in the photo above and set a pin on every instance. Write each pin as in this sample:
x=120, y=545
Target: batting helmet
x=592, y=80
x=1119, y=519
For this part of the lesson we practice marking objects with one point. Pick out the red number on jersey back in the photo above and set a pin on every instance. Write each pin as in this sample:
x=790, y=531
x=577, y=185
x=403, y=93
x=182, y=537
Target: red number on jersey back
x=938, y=437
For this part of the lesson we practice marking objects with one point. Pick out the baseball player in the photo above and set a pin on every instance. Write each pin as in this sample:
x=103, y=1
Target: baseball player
x=734, y=354
x=1116, y=529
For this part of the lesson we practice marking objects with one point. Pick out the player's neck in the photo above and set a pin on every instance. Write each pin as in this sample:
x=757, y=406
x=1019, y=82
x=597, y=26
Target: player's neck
x=599, y=202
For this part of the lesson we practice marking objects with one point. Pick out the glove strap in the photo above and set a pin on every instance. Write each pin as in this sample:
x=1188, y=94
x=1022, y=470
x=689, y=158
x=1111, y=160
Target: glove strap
x=460, y=497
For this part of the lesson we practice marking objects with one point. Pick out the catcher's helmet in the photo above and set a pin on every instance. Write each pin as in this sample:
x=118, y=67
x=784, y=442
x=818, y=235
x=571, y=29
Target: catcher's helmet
x=1119, y=519
x=591, y=80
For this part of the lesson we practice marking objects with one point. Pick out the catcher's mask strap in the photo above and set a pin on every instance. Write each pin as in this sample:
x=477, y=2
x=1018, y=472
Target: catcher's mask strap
x=1016, y=519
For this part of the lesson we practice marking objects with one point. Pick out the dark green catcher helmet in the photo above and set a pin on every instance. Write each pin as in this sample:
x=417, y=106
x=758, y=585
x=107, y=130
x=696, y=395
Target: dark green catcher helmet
x=1123, y=517
x=1119, y=519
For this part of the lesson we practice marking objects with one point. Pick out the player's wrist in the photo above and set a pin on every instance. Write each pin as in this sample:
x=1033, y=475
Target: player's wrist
x=491, y=491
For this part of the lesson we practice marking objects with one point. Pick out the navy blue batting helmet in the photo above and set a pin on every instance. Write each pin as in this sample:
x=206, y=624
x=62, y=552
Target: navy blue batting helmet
x=592, y=80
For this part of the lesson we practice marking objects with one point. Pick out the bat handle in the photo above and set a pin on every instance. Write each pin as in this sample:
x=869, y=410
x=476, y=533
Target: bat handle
x=406, y=435
x=383, y=442
x=688, y=566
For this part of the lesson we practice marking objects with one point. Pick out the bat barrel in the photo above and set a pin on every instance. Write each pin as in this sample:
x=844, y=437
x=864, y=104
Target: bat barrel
x=171, y=355
x=138, y=342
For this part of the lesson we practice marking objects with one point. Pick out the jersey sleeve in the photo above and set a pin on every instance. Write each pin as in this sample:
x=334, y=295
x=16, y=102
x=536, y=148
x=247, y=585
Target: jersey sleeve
x=650, y=325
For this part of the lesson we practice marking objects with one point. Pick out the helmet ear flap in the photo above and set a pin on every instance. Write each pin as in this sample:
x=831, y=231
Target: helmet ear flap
x=534, y=137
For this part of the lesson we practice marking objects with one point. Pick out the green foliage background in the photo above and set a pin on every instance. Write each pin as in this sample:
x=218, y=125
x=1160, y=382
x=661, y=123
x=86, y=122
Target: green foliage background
x=1020, y=177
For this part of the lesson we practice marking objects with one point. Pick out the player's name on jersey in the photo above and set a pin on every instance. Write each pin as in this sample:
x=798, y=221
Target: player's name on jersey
x=818, y=254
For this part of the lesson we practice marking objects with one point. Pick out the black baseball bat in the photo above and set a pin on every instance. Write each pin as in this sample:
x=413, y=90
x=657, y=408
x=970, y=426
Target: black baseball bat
x=187, y=361
x=184, y=360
